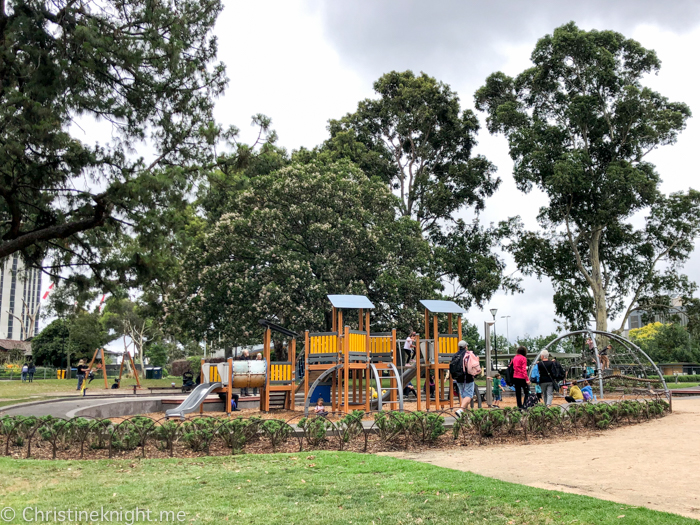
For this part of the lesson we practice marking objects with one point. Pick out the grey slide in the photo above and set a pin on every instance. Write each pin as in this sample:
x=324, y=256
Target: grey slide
x=192, y=402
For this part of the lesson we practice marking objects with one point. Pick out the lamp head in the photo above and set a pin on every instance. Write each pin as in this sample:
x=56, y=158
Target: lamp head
x=493, y=312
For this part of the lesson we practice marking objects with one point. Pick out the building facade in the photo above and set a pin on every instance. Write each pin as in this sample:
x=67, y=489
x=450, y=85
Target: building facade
x=20, y=297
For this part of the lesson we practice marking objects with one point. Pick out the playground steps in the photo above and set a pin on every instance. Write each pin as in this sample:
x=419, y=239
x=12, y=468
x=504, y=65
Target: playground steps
x=278, y=400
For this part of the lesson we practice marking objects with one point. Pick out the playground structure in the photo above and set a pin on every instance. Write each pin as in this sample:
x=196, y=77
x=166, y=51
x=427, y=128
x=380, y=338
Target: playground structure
x=627, y=361
x=350, y=359
x=344, y=362
x=439, y=350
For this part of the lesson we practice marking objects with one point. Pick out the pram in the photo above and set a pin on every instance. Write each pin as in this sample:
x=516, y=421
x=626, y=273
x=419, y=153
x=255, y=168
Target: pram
x=187, y=382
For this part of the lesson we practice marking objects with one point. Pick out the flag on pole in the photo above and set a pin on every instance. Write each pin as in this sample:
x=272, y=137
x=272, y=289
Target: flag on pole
x=46, y=294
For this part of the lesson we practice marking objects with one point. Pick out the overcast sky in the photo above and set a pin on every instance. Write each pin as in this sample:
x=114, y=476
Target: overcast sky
x=304, y=62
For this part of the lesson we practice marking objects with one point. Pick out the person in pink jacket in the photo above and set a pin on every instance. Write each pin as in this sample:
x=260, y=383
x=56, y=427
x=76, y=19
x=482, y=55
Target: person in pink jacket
x=521, y=381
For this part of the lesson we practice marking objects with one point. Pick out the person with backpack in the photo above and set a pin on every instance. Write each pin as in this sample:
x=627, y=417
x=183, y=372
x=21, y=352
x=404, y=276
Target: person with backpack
x=546, y=373
x=464, y=366
x=521, y=381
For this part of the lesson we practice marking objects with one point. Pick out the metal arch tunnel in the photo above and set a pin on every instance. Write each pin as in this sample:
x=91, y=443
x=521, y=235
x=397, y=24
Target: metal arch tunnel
x=623, y=341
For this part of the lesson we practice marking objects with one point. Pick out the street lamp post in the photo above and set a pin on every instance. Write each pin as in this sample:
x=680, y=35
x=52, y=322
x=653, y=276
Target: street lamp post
x=507, y=334
x=495, y=337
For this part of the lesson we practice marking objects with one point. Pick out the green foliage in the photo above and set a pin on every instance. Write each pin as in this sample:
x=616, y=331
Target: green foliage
x=666, y=343
x=198, y=433
x=315, y=429
x=237, y=432
x=295, y=236
x=78, y=335
x=417, y=139
x=579, y=124
x=277, y=430
x=145, y=70
x=350, y=426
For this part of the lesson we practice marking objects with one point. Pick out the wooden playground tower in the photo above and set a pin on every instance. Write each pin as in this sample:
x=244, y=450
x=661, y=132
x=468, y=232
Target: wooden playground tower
x=350, y=357
x=440, y=348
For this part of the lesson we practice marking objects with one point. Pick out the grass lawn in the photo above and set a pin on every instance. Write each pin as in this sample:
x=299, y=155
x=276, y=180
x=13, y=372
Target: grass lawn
x=14, y=390
x=321, y=487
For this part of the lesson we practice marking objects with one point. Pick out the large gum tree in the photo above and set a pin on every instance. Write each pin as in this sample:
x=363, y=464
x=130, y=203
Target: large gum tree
x=580, y=124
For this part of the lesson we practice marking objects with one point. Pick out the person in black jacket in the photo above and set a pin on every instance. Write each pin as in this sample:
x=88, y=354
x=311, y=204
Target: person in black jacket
x=544, y=367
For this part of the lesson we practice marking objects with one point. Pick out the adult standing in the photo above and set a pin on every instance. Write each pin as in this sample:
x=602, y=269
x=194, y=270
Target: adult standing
x=81, y=369
x=245, y=356
x=31, y=371
x=521, y=382
x=544, y=367
x=466, y=386
x=409, y=347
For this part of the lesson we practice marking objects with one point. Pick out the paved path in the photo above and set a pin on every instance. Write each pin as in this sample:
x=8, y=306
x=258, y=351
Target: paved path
x=64, y=408
x=655, y=464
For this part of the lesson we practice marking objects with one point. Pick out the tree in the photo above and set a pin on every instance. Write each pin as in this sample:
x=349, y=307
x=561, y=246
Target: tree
x=291, y=238
x=148, y=70
x=666, y=343
x=69, y=339
x=579, y=124
x=128, y=319
x=419, y=141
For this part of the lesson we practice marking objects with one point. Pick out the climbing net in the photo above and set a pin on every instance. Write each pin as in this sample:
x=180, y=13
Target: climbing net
x=627, y=368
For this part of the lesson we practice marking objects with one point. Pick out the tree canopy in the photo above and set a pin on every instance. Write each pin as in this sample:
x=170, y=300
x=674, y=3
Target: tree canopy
x=291, y=238
x=148, y=70
x=579, y=125
x=417, y=138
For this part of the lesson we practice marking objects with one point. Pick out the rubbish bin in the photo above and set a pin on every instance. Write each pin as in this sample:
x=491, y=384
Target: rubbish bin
x=158, y=372
x=149, y=373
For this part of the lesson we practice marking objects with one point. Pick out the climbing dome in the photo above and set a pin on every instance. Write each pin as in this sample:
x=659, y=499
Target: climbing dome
x=631, y=371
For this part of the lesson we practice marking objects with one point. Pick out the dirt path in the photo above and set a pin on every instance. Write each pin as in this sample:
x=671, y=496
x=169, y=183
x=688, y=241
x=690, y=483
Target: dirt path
x=654, y=464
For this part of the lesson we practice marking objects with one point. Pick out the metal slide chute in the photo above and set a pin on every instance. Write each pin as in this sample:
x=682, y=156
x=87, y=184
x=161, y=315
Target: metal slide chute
x=192, y=402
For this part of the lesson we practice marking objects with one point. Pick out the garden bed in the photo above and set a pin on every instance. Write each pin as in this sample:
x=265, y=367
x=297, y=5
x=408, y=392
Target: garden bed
x=140, y=436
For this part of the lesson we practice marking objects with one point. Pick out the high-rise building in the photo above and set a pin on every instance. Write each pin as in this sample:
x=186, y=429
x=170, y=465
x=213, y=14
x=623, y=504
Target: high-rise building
x=20, y=296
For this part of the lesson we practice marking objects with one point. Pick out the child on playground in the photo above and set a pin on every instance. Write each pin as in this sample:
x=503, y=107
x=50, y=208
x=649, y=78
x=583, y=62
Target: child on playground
x=587, y=391
x=575, y=394
x=320, y=410
x=496, y=389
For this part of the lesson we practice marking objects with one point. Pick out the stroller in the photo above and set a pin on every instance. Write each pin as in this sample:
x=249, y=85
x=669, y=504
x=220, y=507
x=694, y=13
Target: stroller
x=187, y=382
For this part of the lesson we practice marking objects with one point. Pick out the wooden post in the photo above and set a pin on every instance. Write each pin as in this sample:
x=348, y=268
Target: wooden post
x=307, y=349
x=360, y=327
x=266, y=349
x=104, y=369
x=436, y=360
x=333, y=322
x=393, y=383
x=229, y=386
x=459, y=326
x=293, y=359
x=427, y=330
x=346, y=370
x=449, y=324
x=201, y=380
x=420, y=394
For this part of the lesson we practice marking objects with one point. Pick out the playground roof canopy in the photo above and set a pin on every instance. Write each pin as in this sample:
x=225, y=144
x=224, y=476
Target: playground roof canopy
x=442, y=307
x=350, y=302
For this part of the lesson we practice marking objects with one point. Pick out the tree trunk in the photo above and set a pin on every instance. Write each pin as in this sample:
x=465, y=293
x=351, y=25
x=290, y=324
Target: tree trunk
x=597, y=285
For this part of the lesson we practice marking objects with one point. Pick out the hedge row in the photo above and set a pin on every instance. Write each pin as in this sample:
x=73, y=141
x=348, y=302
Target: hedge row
x=49, y=437
x=683, y=379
